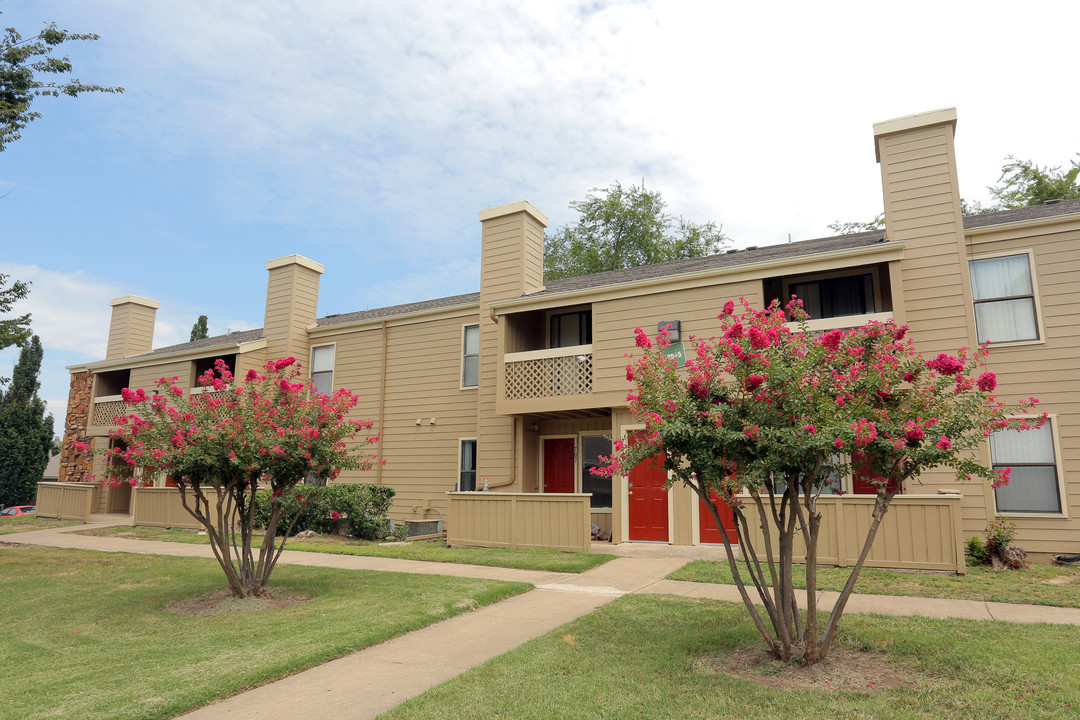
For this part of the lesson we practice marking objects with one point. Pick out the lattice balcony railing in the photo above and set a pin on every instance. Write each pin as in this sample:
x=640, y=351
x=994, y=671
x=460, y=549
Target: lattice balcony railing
x=554, y=376
x=105, y=412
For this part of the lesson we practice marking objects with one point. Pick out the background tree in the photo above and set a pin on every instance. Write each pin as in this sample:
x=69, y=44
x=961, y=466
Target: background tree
x=1022, y=184
x=198, y=330
x=218, y=447
x=16, y=330
x=29, y=69
x=26, y=432
x=763, y=418
x=621, y=227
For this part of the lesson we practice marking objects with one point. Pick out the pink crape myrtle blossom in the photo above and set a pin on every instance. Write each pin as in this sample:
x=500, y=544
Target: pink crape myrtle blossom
x=271, y=430
x=766, y=414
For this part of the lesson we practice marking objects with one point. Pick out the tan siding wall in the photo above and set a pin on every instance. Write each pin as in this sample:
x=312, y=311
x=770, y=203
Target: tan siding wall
x=1048, y=371
x=423, y=381
x=614, y=322
x=145, y=377
x=511, y=265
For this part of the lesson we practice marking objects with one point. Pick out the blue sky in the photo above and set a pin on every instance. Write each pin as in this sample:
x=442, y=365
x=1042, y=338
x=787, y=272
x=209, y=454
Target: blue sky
x=368, y=135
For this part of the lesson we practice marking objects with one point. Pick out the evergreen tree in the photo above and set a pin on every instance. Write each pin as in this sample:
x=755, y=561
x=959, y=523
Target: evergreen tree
x=26, y=432
x=198, y=330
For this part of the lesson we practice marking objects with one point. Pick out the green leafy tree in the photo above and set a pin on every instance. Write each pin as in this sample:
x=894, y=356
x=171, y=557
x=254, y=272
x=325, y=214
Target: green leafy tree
x=620, y=228
x=16, y=330
x=26, y=432
x=220, y=446
x=763, y=418
x=1023, y=183
x=29, y=69
x=198, y=330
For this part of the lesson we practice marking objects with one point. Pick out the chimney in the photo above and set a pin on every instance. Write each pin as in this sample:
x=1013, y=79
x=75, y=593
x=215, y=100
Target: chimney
x=131, y=331
x=511, y=265
x=292, y=302
x=922, y=210
x=511, y=252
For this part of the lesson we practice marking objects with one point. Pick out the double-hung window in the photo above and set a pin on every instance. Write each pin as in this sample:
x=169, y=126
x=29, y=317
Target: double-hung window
x=322, y=368
x=1004, y=297
x=467, y=466
x=470, y=356
x=1033, y=483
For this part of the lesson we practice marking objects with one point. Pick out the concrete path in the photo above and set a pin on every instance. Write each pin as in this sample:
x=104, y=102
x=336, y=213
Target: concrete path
x=371, y=681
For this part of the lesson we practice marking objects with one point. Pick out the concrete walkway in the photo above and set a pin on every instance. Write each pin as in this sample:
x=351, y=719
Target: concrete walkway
x=371, y=681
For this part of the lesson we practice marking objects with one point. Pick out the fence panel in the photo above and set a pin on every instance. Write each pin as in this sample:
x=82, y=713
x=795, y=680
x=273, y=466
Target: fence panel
x=559, y=521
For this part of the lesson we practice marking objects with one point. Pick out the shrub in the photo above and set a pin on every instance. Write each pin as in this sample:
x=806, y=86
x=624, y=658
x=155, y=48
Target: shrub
x=362, y=508
x=976, y=552
x=999, y=534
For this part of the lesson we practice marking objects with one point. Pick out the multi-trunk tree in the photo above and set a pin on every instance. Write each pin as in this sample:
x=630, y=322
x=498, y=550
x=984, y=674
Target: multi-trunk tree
x=767, y=415
x=269, y=430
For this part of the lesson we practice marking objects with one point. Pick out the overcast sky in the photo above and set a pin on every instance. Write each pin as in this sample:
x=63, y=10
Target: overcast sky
x=368, y=135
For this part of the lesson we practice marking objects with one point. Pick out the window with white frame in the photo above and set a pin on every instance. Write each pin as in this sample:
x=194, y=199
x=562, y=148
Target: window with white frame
x=470, y=356
x=1033, y=483
x=1004, y=297
x=322, y=368
x=467, y=466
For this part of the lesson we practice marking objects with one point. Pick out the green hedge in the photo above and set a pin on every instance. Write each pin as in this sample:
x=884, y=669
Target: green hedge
x=363, y=509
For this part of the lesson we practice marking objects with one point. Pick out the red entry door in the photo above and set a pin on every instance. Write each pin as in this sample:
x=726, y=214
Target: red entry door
x=559, y=465
x=648, y=506
x=861, y=481
x=708, y=532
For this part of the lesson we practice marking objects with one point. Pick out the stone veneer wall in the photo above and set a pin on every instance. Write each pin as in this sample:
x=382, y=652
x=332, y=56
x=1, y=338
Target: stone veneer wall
x=73, y=464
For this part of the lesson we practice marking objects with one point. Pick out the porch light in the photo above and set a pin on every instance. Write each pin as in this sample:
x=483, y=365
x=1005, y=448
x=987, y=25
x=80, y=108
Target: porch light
x=674, y=328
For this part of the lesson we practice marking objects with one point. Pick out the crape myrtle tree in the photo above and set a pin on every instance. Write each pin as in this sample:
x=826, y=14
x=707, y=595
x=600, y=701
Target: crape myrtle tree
x=764, y=417
x=269, y=430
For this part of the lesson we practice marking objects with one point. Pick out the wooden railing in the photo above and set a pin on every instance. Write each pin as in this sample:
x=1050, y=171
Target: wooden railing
x=919, y=532
x=161, y=507
x=549, y=373
x=561, y=521
x=67, y=500
x=106, y=408
x=843, y=322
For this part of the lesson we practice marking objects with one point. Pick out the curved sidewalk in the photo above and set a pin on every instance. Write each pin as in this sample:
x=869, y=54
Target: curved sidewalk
x=370, y=681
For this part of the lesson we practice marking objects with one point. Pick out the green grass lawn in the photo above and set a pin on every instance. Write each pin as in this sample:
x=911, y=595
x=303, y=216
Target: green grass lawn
x=91, y=635
x=656, y=657
x=1037, y=585
x=26, y=523
x=430, y=550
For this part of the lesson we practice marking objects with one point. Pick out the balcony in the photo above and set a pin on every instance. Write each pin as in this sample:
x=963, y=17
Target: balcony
x=106, y=408
x=552, y=373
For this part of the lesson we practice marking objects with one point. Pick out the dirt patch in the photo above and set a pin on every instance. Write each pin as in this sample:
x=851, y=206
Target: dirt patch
x=222, y=602
x=1063, y=580
x=858, y=671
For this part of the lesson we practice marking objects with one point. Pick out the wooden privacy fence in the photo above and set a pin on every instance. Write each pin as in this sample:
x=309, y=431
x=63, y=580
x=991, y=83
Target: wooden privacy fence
x=67, y=500
x=161, y=507
x=920, y=532
x=561, y=521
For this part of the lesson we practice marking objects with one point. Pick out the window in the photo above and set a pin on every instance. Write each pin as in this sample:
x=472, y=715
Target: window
x=470, y=357
x=571, y=328
x=467, y=466
x=322, y=369
x=836, y=296
x=592, y=448
x=1033, y=484
x=1004, y=299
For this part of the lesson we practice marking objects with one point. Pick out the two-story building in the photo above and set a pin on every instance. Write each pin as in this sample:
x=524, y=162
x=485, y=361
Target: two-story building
x=522, y=385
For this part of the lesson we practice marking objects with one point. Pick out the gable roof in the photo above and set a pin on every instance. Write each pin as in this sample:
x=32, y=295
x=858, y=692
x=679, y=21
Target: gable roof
x=392, y=310
x=235, y=338
x=1035, y=212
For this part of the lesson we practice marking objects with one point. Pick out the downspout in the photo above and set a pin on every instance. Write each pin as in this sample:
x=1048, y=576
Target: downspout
x=513, y=457
x=382, y=407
